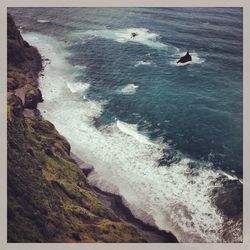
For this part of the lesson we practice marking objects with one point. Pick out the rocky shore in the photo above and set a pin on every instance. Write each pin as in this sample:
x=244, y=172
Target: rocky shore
x=49, y=197
x=115, y=202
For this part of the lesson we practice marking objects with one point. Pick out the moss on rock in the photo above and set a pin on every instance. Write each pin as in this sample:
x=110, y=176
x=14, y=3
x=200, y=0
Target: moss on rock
x=32, y=97
x=49, y=198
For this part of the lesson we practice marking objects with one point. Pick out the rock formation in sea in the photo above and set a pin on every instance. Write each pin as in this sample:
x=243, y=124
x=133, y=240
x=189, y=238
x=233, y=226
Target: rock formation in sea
x=49, y=198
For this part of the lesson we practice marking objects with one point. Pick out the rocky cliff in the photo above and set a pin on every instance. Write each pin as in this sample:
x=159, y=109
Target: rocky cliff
x=49, y=198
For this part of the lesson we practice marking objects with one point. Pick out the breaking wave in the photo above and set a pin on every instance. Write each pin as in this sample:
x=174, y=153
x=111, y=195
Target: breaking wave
x=144, y=36
x=42, y=21
x=129, y=89
x=174, y=197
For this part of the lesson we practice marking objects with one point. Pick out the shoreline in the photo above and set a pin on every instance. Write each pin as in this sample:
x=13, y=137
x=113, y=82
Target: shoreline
x=114, y=202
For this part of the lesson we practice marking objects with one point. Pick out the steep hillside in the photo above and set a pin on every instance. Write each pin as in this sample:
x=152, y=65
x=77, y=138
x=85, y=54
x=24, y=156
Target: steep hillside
x=49, y=198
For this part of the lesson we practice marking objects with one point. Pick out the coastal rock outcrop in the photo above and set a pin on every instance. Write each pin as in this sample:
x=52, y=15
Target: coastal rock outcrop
x=186, y=58
x=229, y=198
x=32, y=97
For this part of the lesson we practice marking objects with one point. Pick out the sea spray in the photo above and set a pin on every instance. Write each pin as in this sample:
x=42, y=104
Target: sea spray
x=173, y=197
x=145, y=36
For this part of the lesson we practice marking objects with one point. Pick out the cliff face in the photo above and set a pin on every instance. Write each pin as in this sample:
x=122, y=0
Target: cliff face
x=49, y=198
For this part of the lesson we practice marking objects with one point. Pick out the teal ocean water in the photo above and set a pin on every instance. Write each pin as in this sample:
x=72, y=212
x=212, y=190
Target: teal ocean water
x=162, y=135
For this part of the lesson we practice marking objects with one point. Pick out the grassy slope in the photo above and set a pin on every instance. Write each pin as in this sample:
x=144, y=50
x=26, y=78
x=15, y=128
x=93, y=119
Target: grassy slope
x=49, y=198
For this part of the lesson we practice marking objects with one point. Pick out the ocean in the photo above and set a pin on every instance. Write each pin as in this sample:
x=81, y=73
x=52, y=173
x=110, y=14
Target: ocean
x=162, y=135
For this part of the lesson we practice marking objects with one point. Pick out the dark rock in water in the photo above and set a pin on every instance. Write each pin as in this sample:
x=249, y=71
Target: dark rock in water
x=186, y=58
x=134, y=34
x=229, y=198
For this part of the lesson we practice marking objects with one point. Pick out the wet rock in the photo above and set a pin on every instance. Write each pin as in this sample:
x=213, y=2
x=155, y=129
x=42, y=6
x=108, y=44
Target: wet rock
x=26, y=44
x=229, y=198
x=185, y=58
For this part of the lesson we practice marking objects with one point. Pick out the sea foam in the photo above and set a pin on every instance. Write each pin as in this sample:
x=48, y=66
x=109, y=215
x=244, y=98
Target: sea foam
x=129, y=89
x=143, y=62
x=145, y=36
x=42, y=21
x=174, y=197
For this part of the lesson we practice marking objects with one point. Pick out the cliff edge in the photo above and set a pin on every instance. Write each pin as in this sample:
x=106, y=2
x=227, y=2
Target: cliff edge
x=49, y=198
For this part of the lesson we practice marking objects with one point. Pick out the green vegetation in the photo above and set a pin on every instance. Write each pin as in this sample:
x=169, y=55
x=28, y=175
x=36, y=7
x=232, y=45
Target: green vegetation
x=49, y=198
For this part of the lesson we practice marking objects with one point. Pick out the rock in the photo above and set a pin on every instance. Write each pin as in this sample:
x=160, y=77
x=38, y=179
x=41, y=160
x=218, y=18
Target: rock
x=30, y=151
x=19, y=52
x=15, y=105
x=76, y=236
x=185, y=58
x=229, y=198
x=48, y=152
x=26, y=44
x=32, y=97
x=12, y=84
x=49, y=198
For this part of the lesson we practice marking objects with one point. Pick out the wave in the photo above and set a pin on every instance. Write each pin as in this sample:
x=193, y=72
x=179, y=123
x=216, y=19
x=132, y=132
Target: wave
x=80, y=67
x=143, y=62
x=132, y=130
x=42, y=21
x=78, y=87
x=144, y=36
x=174, y=197
x=129, y=89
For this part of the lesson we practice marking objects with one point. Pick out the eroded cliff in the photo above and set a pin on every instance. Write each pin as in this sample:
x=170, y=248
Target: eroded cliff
x=49, y=198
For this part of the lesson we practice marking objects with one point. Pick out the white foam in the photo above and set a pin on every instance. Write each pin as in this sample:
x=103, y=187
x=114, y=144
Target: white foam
x=232, y=177
x=78, y=87
x=144, y=36
x=79, y=70
x=129, y=89
x=42, y=21
x=142, y=63
x=131, y=129
x=195, y=59
x=80, y=67
x=173, y=197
